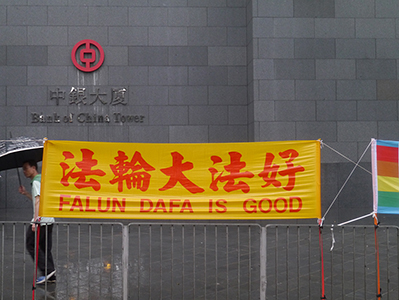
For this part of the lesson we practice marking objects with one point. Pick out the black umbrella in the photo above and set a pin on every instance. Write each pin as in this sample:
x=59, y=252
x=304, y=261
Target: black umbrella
x=14, y=152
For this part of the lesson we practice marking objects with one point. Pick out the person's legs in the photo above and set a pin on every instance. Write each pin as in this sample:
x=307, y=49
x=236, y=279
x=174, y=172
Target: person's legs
x=45, y=245
x=30, y=242
x=45, y=242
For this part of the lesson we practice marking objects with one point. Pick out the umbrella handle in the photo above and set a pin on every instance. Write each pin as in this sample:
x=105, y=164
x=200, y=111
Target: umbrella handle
x=19, y=177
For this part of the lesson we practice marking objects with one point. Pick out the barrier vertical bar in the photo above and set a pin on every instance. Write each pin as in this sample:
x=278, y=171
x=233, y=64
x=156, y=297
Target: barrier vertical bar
x=238, y=262
x=216, y=262
x=68, y=261
x=161, y=236
x=13, y=259
x=171, y=267
x=343, y=262
x=24, y=268
x=309, y=256
x=150, y=236
x=227, y=261
x=37, y=247
x=331, y=262
x=205, y=260
x=387, y=266
x=125, y=261
x=194, y=241
x=184, y=258
x=323, y=296
x=354, y=262
x=2, y=261
x=79, y=263
x=276, y=261
x=287, y=243
x=45, y=256
x=57, y=247
x=139, y=260
x=263, y=279
x=298, y=261
x=249, y=263
x=112, y=259
x=377, y=257
x=89, y=262
x=101, y=256
x=364, y=260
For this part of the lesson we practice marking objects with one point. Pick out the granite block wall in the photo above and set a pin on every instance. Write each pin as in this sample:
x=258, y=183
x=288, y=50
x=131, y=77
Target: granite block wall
x=328, y=70
x=182, y=63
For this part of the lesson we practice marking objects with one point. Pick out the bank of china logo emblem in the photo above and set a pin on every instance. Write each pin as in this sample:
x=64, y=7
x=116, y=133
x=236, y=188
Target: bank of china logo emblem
x=87, y=55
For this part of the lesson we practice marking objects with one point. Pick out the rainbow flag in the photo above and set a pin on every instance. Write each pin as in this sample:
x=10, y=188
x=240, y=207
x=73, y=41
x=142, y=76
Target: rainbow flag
x=384, y=159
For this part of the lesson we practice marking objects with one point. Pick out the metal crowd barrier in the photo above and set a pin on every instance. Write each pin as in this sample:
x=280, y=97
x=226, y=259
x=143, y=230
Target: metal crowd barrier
x=194, y=261
x=349, y=256
x=203, y=261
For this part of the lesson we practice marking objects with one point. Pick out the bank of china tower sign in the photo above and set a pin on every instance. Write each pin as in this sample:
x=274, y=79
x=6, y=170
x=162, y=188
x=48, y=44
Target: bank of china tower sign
x=87, y=56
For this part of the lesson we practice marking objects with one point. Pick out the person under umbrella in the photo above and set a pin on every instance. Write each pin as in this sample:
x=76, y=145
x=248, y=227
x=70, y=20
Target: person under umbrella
x=43, y=225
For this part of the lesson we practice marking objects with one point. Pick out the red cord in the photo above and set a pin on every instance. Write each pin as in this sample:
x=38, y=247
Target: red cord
x=37, y=260
x=323, y=295
x=377, y=256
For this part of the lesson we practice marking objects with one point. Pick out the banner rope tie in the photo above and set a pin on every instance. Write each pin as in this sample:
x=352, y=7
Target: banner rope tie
x=356, y=219
x=332, y=238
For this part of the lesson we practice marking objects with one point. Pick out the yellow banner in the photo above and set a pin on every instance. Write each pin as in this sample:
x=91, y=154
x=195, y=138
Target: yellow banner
x=262, y=180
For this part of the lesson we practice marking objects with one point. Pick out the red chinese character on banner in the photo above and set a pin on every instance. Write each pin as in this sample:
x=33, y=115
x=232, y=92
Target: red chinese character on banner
x=85, y=166
x=175, y=172
x=234, y=169
x=128, y=171
x=291, y=154
x=270, y=170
